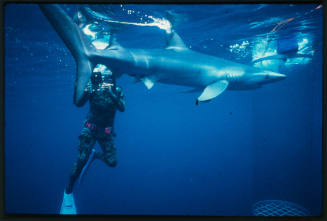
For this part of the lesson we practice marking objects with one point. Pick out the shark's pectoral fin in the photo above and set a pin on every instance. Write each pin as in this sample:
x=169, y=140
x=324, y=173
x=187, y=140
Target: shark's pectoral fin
x=213, y=90
x=147, y=82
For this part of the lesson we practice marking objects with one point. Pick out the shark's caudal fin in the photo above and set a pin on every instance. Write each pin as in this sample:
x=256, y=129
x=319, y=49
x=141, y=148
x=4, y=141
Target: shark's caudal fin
x=76, y=42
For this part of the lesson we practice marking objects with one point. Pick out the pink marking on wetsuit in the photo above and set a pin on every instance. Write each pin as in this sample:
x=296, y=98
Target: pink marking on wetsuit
x=107, y=130
x=90, y=126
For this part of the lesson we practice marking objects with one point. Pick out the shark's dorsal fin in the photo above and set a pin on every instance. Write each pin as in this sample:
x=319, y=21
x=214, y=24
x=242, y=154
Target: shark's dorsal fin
x=113, y=43
x=147, y=82
x=213, y=90
x=174, y=41
x=113, y=39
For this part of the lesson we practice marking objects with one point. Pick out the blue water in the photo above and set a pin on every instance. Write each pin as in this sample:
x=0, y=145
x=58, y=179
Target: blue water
x=174, y=158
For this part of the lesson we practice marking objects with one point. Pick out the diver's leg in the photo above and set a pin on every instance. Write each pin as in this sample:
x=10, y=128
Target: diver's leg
x=109, y=151
x=87, y=141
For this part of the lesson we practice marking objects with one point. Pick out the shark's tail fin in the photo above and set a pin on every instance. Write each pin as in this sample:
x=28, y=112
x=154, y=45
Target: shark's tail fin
x=76, y=42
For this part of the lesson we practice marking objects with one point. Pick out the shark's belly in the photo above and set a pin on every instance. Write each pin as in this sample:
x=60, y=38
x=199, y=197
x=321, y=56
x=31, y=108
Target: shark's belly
x=243, y=86
x=191, y=78
x=180, y=72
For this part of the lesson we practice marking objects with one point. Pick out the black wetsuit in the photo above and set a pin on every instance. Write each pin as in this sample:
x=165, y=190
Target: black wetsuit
x=98, y=127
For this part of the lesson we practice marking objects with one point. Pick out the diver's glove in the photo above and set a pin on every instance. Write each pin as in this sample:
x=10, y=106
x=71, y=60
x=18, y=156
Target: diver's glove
x=107, y=87
x=112, y=94
x=118, y=99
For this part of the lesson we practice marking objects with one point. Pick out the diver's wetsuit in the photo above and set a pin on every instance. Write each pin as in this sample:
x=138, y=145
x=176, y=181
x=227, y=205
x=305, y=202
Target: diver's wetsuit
x=98, y=127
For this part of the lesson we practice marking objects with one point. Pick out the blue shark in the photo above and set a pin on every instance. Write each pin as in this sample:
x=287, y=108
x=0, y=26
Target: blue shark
x=175, y=64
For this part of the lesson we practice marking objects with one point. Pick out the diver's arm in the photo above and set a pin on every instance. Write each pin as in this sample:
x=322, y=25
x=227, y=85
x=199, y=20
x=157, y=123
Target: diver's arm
x=86, y=95
x=119, y=99
x=83, y=100
x=121, y=103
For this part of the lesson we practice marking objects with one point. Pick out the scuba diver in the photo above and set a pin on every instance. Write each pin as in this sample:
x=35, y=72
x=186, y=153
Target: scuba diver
x=104, y=98
x=280, y=49
x=96, y=85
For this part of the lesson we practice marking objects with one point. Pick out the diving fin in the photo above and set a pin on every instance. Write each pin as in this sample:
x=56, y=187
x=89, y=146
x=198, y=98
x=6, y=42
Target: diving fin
x=86, y=166
x=68, y=205
x=212, y=91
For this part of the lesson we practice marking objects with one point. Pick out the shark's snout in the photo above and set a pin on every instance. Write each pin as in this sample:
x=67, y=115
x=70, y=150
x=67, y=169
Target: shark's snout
x=277, y=76
x=273, y=77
